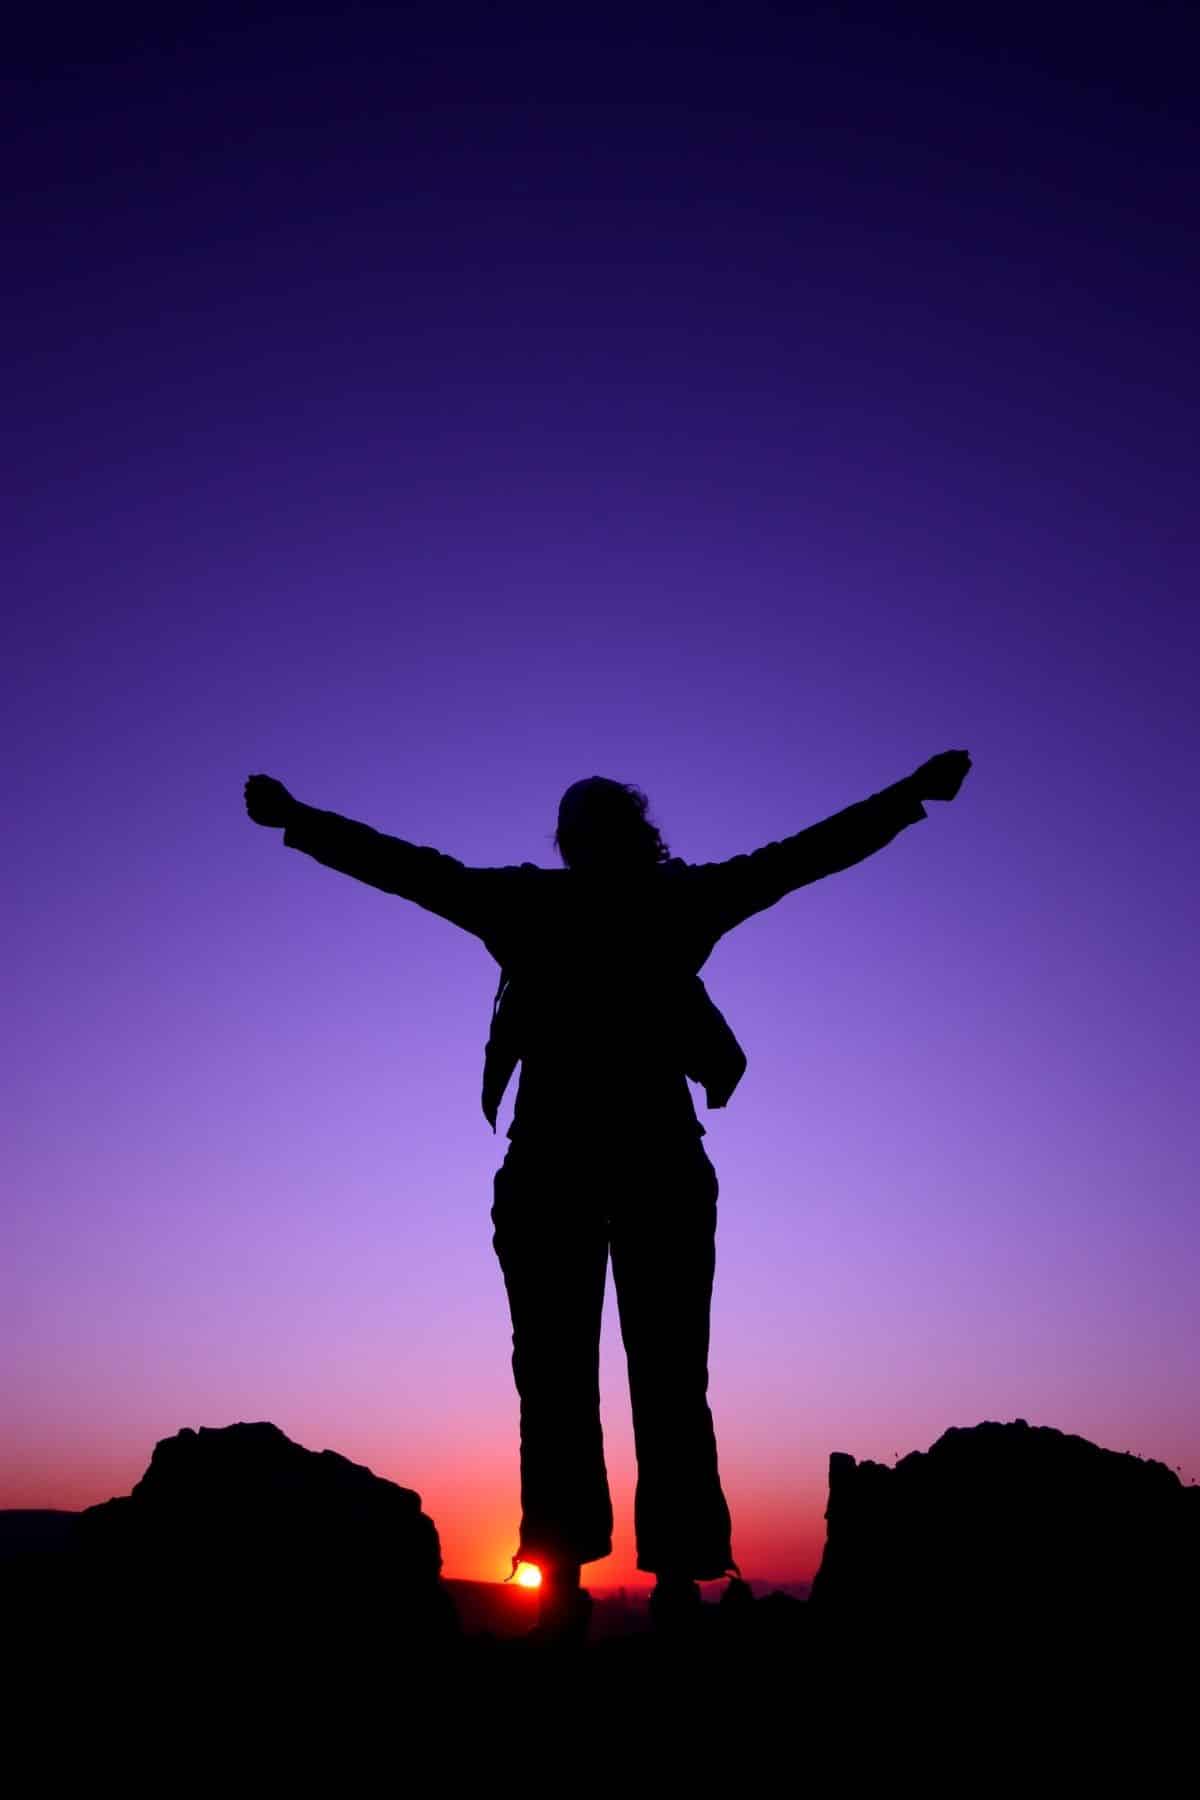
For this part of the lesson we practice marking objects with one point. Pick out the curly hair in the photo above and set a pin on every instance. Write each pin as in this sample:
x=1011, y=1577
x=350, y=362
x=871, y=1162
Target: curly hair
x=617, y=812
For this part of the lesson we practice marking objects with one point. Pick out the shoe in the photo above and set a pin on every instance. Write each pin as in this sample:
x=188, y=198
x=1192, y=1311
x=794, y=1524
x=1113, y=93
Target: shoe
x=736, y=1609
x=676, y=1608
x=564, y=1614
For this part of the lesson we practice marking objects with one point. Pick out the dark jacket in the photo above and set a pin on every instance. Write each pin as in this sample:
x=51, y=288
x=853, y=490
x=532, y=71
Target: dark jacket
x=711, y=1055
x=603, y=974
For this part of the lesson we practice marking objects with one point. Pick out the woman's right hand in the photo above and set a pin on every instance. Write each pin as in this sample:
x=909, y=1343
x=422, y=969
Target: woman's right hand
x=941, y=777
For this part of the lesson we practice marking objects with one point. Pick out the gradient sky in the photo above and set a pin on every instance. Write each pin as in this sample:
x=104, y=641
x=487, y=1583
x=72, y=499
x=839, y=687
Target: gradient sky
x=432, y=406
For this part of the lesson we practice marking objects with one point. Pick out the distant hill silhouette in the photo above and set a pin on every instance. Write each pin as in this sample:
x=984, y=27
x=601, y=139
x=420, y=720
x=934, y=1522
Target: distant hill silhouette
x=1008, y=1525
x=27, y=1532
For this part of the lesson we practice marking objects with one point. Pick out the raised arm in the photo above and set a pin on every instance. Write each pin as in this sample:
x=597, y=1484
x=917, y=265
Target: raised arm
x=437, y=882
x=731, y=891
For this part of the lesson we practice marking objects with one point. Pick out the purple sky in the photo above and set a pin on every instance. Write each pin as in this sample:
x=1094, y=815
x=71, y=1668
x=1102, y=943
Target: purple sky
x=430, y=412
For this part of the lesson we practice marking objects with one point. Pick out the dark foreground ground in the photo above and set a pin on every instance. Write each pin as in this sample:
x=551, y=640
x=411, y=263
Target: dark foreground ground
x=104, y=1692
x=67, y=1631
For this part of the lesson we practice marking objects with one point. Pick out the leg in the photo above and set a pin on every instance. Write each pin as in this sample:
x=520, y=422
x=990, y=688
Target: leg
x=553, y=1250
x=663, y=1229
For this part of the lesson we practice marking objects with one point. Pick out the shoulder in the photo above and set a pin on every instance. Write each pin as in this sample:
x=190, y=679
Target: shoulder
x=535, y=873
x=678, y=873
x=520, y=872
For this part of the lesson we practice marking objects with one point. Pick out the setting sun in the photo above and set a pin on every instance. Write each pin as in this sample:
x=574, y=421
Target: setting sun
x=528, y=1575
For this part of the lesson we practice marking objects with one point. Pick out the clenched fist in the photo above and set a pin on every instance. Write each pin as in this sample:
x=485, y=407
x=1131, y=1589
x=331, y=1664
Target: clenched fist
x=268, y=801
x=941, y=777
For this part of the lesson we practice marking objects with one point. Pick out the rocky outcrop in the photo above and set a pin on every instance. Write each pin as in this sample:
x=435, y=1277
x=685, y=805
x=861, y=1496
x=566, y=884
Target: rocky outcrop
x=238, y=1530
x=1009, y=1523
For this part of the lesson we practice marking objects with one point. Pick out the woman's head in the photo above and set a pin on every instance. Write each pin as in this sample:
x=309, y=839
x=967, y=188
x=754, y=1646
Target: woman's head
x=603, y=824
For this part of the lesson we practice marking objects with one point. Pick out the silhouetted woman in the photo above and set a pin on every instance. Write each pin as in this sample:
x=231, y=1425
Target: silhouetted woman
x=601, y=1003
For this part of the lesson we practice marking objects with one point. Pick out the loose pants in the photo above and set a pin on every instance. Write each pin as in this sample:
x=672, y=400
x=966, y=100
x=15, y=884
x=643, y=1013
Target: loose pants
x=560, y=1211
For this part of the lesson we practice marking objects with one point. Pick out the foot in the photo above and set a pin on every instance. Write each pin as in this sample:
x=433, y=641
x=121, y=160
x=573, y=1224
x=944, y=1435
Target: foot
x=564, y=1608
x=676, y=1608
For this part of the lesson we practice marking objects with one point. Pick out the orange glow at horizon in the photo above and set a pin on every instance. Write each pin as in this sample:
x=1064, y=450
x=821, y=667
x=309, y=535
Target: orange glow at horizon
x=528, y=1575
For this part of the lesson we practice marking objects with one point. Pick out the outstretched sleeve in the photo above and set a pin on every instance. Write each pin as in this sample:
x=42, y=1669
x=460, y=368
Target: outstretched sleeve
x=433, y=880
x=728, y=892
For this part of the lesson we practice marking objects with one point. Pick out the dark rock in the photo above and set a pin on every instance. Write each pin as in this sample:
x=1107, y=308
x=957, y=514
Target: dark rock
x=1007, y=1524
x=240, y=1533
